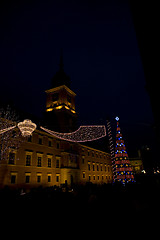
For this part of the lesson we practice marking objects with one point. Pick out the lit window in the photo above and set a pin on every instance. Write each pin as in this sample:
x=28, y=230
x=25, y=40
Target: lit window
x=28, y=160
x=57, y=177
x=49, y=162
x=39, y=161
x=49, y=178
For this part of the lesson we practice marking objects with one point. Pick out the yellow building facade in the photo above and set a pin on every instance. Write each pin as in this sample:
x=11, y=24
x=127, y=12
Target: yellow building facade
x=43, y=160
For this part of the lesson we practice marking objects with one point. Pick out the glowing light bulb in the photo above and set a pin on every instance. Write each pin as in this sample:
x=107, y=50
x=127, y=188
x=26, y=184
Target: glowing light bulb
x=117, y=119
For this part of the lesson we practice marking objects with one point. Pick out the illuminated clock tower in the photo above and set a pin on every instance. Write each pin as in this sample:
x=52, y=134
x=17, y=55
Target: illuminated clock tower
x=60, y=103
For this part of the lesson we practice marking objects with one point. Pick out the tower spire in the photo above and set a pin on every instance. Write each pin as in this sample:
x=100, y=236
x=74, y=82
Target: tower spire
x=61, y=65
x=60, y=78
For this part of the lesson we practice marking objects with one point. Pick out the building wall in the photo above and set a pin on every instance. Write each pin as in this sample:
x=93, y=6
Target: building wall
x=47, y=161
x=137, y=165
x=95, y=166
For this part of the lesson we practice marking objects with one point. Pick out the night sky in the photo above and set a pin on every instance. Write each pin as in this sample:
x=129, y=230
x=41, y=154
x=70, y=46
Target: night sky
x=100, y=53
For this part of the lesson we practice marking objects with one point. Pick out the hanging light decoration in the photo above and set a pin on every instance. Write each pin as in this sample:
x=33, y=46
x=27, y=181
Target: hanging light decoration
x=27, y=127
x=82, y=134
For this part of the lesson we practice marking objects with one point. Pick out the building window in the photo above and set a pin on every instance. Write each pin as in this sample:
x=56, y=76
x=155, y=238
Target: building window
x=12, y=158
x=39, y=161
x=13, y=178
x=89, y=178
x=40, y=140
x=93, y=166
x=49, y=162
x=89, y=166
x=28, y=160
x=97, y=167
x=39, y=178
x=50, y=143
x=57, y=177
x=57, y=162
x=55, y=97
x=82, y=159
x=83, y=175
x=101, y=167
x=49, y=178
x=28, y=176
x=98, y=177
x=94, y=177
x=69, y=98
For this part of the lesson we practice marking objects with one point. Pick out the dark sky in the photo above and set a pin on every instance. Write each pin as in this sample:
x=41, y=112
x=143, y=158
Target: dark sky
x=100, y=53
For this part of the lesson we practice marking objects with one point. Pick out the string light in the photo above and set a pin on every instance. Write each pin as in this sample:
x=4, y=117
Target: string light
x=6, y=129
x=83, y=134
x=111, y=146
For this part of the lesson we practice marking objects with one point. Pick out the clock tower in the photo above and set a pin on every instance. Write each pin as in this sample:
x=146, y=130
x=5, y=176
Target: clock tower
x=60, y=112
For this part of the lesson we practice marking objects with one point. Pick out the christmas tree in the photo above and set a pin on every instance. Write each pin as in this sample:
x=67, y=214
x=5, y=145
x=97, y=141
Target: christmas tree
x=123, y=170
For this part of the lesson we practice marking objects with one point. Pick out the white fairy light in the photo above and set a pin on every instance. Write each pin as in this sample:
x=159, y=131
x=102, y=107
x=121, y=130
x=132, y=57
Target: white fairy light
x=26, y=127
x=83, y=134
x=6, y=129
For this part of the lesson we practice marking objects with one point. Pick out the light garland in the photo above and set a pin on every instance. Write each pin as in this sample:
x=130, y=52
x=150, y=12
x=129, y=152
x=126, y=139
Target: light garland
x=111, y=146
x=6, y=129
x=83, y=134
x=26, y=127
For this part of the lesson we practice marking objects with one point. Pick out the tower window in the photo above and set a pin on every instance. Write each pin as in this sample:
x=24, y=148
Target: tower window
x=69, y=99
x=55, y=97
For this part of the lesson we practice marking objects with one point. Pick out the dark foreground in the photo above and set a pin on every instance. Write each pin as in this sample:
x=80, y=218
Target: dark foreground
x=90, y=203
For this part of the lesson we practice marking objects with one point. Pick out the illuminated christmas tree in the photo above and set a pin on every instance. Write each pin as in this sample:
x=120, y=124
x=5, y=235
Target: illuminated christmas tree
x=123, y=168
